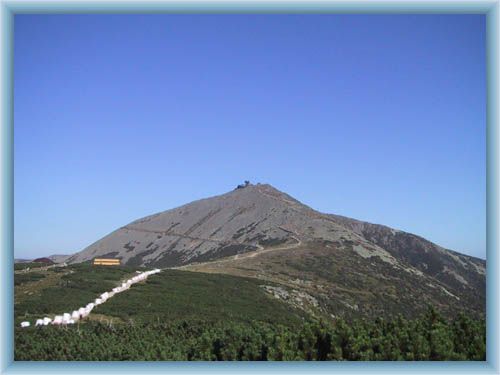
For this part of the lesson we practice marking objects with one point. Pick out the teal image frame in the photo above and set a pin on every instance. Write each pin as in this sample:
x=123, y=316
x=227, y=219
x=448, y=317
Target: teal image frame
x=8, y=10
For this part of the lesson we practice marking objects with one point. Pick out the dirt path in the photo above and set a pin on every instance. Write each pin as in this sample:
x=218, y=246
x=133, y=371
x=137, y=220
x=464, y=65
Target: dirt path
x=253, y=254
x=250, y=254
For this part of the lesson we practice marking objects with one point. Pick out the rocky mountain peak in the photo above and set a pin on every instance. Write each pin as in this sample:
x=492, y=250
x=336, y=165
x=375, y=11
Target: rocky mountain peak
x=257, y=230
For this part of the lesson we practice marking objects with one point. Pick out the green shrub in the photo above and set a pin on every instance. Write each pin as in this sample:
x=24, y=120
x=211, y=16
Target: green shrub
x=397, y=339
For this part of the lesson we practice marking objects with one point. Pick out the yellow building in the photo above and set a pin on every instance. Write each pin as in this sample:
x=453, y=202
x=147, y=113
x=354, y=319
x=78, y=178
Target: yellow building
x=106, y=262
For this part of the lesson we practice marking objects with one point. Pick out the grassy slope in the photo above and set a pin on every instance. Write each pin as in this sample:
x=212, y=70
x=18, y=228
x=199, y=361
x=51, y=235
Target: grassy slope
x=168, y=296
x=344, y=284
x=173, y=295
x=24, y=278
x=174, y=315
x=72, y=287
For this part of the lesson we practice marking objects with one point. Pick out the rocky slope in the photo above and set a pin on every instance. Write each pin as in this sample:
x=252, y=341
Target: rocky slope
x=245, y=219
x=448, y=266
x=58, y=258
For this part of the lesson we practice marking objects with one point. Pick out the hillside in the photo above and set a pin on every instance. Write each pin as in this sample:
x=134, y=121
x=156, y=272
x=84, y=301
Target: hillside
x=58, y=258
x=452, y=268
x=341, y=266
x=169, y=296
x=242, y=220
x=178, y=315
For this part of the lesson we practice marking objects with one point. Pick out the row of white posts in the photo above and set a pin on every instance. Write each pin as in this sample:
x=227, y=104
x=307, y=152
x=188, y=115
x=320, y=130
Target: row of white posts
x=83, y=312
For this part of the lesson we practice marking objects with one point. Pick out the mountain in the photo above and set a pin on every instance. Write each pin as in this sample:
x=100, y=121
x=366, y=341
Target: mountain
x=327, y=264
x=246, y=219
x=43, y=260
x=447, y=266
x=58, y=258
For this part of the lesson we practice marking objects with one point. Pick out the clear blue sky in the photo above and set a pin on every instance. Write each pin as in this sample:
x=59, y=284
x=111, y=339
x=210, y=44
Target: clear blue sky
x=379, y=118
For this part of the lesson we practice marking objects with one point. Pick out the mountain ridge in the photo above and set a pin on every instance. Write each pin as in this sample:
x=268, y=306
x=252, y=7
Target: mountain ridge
x=358, y=227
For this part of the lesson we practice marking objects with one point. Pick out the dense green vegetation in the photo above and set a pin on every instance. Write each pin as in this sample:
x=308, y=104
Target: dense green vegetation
x=167, y=296
x=428, y=338
x=81, y=284
x=23, y=278
x=179, y=315
x=173, y=295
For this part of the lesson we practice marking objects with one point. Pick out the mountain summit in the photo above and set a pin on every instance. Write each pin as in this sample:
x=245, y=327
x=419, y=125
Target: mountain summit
x=259, y=231
x=246, y=219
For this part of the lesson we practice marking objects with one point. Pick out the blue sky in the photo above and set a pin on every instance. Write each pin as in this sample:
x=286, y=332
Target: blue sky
x=379, y=118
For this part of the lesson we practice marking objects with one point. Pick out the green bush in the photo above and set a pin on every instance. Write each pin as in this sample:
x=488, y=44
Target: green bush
x=22, y=278
x=429, y=337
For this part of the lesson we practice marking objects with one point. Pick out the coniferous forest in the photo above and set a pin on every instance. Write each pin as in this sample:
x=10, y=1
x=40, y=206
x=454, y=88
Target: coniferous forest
x=430, y=337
